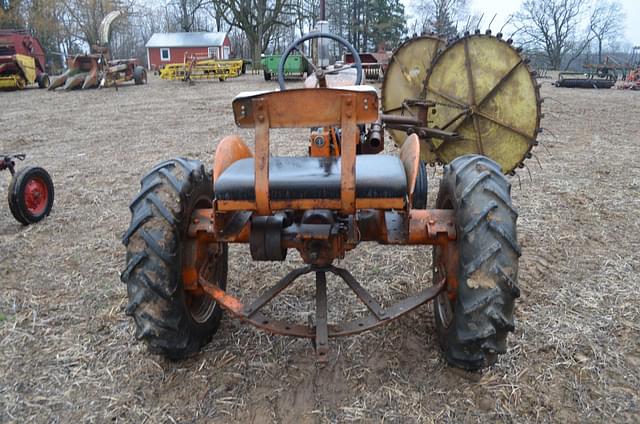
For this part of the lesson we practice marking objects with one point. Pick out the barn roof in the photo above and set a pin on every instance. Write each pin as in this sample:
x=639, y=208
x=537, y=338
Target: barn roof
x=186, y=39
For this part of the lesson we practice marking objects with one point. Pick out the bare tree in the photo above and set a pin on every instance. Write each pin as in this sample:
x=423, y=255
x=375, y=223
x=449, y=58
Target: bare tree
x=606, y=23
x=186, y=11
x=11, y=14
x=441, y=16
x=259, y=19
x=554, y=27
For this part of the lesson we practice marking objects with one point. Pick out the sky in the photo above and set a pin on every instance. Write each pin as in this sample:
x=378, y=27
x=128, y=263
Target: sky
x=506, y=7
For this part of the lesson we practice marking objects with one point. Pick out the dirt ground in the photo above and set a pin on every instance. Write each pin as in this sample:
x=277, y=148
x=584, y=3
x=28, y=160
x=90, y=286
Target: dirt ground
x=68, y=353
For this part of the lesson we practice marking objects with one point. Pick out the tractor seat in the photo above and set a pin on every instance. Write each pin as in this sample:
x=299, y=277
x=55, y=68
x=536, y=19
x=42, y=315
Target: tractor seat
x=292, y=178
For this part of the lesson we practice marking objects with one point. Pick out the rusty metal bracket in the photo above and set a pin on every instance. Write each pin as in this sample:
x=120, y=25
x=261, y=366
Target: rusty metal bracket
x=321, y=331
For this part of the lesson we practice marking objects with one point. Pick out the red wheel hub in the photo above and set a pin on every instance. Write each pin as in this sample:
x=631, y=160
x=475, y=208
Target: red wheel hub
x=36, y=196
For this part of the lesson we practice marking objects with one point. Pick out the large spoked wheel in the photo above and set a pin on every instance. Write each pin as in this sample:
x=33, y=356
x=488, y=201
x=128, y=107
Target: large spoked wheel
x=31, y=195
x=316, y=68
x=172, y=321
x=474, y=318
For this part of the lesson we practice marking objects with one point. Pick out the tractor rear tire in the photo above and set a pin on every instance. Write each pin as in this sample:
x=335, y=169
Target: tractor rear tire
x=43, y=81
x=172, y=321
x=31, y=195
x=139, y=75
x=473, y=328
x=422, y=188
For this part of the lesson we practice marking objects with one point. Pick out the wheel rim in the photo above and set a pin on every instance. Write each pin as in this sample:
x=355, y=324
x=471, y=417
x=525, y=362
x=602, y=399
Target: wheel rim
x=442, y=303
x=36, y=196
x=202, y=306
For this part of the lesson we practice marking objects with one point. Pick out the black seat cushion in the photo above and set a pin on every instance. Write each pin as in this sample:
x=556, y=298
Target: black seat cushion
x=377, y=176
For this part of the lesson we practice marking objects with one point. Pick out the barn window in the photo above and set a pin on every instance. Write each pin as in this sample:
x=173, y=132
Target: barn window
x=213, y=52
x=165, y=54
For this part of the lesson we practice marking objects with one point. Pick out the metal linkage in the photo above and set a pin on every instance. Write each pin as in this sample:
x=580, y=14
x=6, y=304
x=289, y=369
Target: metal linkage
x=321, y=331
x=8, y=162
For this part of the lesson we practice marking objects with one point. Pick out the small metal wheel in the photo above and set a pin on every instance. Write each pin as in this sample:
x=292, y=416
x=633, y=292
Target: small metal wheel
x=31, y=195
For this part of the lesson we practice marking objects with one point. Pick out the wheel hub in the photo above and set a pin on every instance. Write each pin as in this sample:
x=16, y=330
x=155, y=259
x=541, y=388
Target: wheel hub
x=35, y=196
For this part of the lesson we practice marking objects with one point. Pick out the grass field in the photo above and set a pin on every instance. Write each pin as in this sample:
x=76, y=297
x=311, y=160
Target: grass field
x=67, y=349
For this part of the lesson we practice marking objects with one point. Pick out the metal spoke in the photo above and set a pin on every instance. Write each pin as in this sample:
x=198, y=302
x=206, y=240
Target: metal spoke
x=476, y=127
x=467, y=65
x=322, y=331
x=455, y=118
x=457, y=102
x=340, y=69
x=273, y=291
x=362, y=294
x=309, y=61
x=502, y=80
x=507, y=126
x=472, y=96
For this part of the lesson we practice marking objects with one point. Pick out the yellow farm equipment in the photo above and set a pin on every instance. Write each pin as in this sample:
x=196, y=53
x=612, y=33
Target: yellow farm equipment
x=21, y=61
x=195, y=67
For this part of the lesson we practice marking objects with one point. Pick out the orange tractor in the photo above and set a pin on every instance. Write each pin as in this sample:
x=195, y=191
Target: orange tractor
x=345, y=192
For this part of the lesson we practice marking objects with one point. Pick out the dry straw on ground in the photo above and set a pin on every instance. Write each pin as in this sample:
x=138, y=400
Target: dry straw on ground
x=68, y=353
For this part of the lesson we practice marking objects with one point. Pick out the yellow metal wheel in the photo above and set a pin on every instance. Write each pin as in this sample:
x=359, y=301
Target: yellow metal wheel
x=404, y=80
x=485, y=91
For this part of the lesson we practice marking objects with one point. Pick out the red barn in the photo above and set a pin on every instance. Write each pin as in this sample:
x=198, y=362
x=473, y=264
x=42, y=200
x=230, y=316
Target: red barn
x=170, y=48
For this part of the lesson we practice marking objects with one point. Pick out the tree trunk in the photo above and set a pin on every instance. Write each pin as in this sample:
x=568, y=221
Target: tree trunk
x=599, y=50
x=256, y=50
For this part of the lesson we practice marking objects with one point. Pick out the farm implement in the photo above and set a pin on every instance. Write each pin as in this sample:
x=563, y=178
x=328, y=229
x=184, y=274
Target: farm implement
x=96, y=69
x=294, y=66
x=472, y=105
x=22, y=61
x=195, y=68
x=632, y=82
x=30, y=190
x=585, y=80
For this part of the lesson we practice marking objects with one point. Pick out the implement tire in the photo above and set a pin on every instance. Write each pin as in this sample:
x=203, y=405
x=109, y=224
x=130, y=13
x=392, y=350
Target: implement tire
x=139, y=75
x=43, y=81
x=473, y=320
x=31, y=195
x=173, y=322
x=422, y=188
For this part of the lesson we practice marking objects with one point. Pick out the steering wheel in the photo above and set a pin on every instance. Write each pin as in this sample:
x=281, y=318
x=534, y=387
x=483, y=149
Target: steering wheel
x=320, y=73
